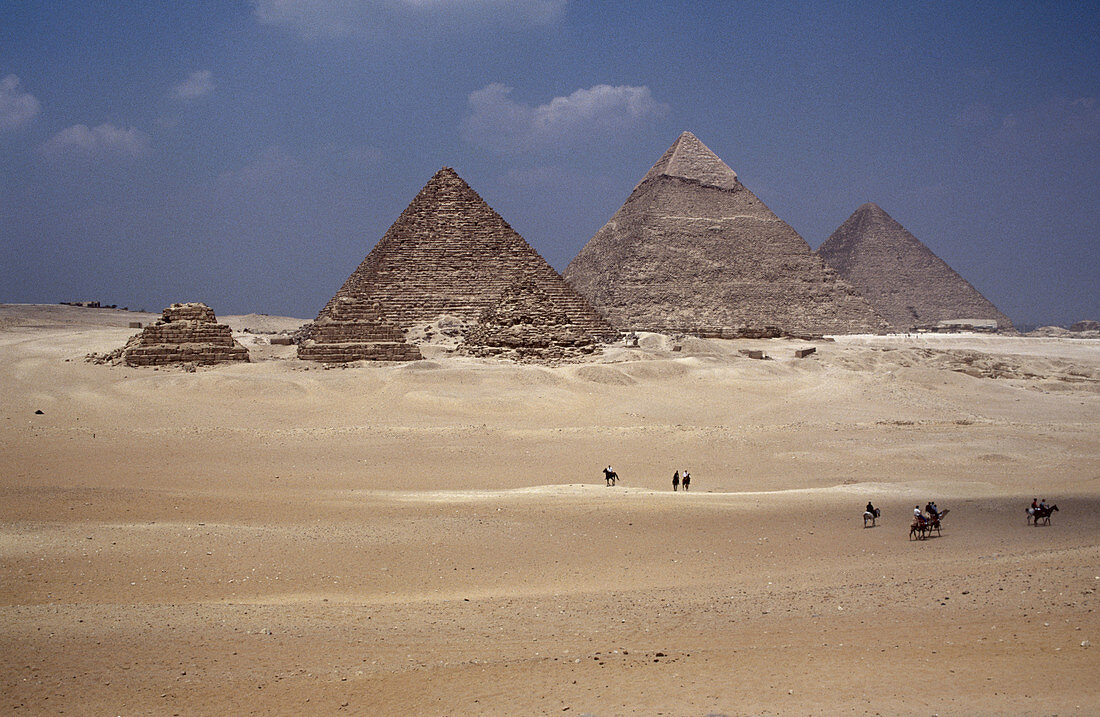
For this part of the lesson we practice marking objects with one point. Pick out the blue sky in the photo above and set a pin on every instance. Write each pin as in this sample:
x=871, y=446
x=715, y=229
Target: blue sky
x=250, y=153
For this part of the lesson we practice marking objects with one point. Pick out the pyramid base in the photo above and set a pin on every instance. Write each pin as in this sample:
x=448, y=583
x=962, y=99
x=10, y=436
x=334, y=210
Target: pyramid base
x=169, y=354
x=358, y=351
x=733, y=332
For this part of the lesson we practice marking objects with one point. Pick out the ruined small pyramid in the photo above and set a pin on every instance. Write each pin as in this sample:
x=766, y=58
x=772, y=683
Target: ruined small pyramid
x=185, y=333
x=692, y=250
x=354, y=330
x=901, y=277
x=524, y=323
x=450, y=254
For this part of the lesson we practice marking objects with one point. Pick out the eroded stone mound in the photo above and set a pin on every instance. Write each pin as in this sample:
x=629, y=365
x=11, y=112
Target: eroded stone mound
x=972, y=363
x=902, y=278
x=185, y=334
x=1085, y=325
x=448, y=254
x=525, y=324
x=355, y=330
x=694, y=251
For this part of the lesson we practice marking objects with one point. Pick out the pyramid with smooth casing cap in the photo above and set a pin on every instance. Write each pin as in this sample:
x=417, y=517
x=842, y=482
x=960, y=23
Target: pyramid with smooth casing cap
x=694, y=251
x=449, y=254
x=901, y=277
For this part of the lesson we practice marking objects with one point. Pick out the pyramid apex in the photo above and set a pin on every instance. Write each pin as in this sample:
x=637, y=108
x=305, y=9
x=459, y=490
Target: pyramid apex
x=444, y=178
x=872, y=208
x=688, y=158
x=445, y=172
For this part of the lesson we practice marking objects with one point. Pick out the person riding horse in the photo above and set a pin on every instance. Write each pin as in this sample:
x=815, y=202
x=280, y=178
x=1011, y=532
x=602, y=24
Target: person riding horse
x=610, y=476
x=1040, y=511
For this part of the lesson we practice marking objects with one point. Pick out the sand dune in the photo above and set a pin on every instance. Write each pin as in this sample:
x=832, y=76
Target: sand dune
x=436, y=538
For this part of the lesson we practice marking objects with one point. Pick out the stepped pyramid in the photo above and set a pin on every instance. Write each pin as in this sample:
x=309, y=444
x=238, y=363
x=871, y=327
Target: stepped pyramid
x=450, y=254
x=353, y=330
x=185, y=333
x=901, y=277
x=693, y=250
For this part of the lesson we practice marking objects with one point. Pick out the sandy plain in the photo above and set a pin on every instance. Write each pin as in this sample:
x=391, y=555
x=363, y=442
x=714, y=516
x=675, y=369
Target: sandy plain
x=435, y=538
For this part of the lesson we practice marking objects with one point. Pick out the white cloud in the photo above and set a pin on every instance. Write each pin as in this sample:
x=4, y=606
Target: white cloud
x=104, y=140
x=197, y=84
x=16, y=107
x=342, y=18
x=499, y=123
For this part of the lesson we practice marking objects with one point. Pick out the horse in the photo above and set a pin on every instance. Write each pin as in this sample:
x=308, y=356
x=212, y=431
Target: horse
x=1035, y=515
x=868, y=515
x=612, y=478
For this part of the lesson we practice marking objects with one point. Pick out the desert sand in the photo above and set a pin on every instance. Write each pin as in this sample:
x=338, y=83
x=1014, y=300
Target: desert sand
x=436, y=537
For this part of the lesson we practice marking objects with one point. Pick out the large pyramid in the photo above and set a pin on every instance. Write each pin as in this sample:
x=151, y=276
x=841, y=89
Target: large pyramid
x=449, y=254
x=693, y=250
x=901, y=277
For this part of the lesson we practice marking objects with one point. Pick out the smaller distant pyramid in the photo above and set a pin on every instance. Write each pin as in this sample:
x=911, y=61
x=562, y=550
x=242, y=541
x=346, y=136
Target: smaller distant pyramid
x=449, y=255
x=524, y=324
x=355, y=330
x=186, y=333
x=901, y=277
